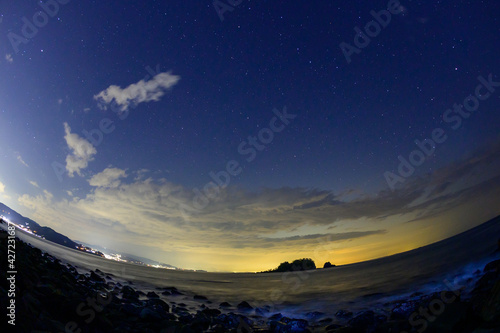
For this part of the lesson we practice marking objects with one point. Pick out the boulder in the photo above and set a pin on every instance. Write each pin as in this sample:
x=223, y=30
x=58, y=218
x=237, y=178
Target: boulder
x=342, y=314
x=244, y=306
x=129, y=293
x=200, y=298
x=224, y=305
x=152, y=294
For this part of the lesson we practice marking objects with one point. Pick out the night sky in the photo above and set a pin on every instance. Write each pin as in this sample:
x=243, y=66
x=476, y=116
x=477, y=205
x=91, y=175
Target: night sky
x=231, y=138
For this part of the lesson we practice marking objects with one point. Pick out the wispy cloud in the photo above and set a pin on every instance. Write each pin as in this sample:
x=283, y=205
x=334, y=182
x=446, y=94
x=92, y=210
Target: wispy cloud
x=20, y=159
x=34, y=184
x=110, y=177
x=2, y=187
x=82, y=152
x=136, y=93
x=9, y=58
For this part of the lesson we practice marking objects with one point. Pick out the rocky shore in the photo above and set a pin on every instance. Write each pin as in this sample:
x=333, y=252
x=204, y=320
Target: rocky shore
x=54, y=297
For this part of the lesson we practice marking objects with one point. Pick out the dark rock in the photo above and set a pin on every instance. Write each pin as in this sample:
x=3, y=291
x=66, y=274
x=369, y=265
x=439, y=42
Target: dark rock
x=403, y=310
x=211, y=312
x=180, y=310
x=200, y=322
x=364, y=320
x=297, y=325
x=278, y=326
x=261, y=311
x=276, y=316
x=314, y=315
x=95, y=277
x=175, y=293
x=158, y=303
x=224, y=305
x=244, y=306
x=486, y=281
x=326, y=321
x=332, y=327
x=129, y=293
x=185, y=318
x=487, y=304
x=200, y=298
x=81, y=278
x=130, y=309
x=149, y=314
x=492, y=266
x=343, y=314
x=152, y=294
x=231, y=321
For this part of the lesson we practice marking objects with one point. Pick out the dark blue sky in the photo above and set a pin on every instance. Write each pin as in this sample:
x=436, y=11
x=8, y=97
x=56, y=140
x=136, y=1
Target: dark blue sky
x=221, y=82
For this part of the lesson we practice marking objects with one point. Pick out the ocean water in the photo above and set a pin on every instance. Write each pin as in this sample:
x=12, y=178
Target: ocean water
x=450, y=264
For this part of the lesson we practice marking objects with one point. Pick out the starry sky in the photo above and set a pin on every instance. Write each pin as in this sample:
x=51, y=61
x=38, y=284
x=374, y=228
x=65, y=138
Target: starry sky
x=232, y=136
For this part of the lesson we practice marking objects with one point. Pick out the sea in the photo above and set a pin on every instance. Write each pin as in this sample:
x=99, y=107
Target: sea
x=451, y=264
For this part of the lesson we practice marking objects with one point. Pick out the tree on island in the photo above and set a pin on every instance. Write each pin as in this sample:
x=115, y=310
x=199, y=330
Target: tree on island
x=328, y=265
x=297, y=265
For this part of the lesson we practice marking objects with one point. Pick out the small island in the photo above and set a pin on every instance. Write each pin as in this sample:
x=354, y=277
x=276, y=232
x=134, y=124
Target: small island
x=304, y=264
x=328, y=265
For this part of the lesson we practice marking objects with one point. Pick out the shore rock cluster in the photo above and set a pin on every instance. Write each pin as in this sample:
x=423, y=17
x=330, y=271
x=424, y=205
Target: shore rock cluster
x=53, y=297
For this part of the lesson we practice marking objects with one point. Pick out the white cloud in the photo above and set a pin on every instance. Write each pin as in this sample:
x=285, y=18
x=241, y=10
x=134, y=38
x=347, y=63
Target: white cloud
x=48, y=195
x=8, y=57
x=34, y=184
x=20, y=159
x=3, y=195
x=82, y=152
x=110, y=177
x=136, y=93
